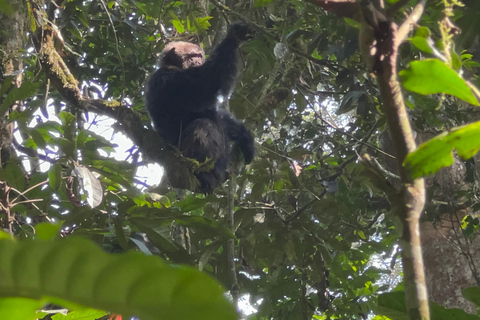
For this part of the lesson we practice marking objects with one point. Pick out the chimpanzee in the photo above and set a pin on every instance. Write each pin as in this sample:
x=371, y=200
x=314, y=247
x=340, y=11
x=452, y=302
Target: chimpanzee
x=182, y=100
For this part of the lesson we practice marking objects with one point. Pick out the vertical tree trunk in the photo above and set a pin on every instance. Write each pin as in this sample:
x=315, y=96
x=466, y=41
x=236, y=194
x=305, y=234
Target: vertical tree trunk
x=12, y=65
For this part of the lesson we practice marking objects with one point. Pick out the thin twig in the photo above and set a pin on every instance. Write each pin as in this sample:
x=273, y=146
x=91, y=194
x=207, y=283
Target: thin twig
x=27, y=201
x=305, y=207
x=116, y=40
x=22, y=194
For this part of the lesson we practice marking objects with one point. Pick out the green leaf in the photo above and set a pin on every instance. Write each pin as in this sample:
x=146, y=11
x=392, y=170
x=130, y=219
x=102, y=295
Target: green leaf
x=82, y=16
x=436, y=153
x=90, y=185
x=162, y=239
x=120, y=234
x=392, y=305
x=6, y=84
x=192, y=203
x=456, y=61
x=300, y=102
x=68, y=125
x=472, y=294
x=4, y=235
x=432, y=76
x=66, y=146
x=261, y=3
x=47, y=230
x=178, y=25
x=352, y=23
x=361, y=234
x=349, y=101
x=88, y=314
x=55, y=176
x=26, y=90
x=441, y=313
x=422, y=44
x=203, y=22
x=14, y=175
x=423, y=32
x=75, y=270
x=38, y=139
x=19, y=308
x=423, y=41
x=6, y=7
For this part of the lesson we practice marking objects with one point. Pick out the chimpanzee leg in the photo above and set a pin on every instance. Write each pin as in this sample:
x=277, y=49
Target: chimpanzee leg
x=237, y=133
x=205, y=139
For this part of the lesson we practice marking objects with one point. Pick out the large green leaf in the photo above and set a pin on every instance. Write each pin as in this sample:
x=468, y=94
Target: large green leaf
x=392, y=305
x=19, y=308
x=26, y=90
x=432, y=76
x=438, y=312
x=75, y=270
x=89, y=314
x=436, y=153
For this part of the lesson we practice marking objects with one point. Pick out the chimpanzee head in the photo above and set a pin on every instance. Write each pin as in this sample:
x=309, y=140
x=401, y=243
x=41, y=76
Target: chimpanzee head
x=182, y=55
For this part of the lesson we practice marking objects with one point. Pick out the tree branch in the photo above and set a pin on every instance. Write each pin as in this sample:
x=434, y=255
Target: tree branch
x=412, y=19
x=148, y=141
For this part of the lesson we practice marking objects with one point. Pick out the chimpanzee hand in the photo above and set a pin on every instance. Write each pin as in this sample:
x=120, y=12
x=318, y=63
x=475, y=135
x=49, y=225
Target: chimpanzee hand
x=240, y=31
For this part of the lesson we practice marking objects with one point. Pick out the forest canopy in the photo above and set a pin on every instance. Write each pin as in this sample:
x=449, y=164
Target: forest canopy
x=361, y=201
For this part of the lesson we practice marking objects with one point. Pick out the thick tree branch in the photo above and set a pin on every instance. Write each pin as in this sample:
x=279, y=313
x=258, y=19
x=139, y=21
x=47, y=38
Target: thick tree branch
x=147, y=140
x=412, y=194
x=412, y=19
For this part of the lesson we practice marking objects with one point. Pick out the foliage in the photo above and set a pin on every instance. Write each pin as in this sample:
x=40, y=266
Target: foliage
x=75, y=270
x=432, y=76
x=437, y=152
x=393, y=305
x=314, y=235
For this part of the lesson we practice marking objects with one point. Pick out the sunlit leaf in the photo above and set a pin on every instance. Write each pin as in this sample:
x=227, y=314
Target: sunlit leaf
x=90, y=184
x=422, y=44
x=19, y=308
x=432, y=76
x=436, y=153
x=179, y=26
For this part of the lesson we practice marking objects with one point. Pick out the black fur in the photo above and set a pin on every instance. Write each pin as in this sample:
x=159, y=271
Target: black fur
x=182, y=102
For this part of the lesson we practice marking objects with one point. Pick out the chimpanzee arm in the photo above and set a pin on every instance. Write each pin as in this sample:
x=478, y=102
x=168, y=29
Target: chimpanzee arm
x=219, y=71
x=196, y=88
x=237, y=133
